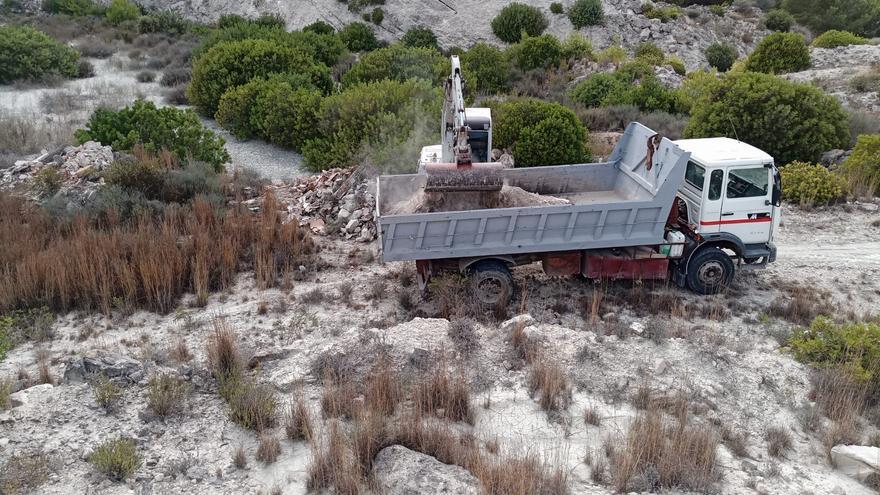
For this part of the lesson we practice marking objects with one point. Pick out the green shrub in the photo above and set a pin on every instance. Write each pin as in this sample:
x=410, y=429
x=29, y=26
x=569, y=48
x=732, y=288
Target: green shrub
x=857, y=16
x=592, y=91
x=853, y=347
x=358, y=37
x=780, y=53
x=118, y=459
x=178, y=131
x=721, y=56
x=72, y=7
x=576, y=47
x=539, y=133
x=398, y=62
x=420, y=37
x=516, y=19
x=614, y=54
x=5, y=383
x=233, y=63
x=108, y=394
x=862, y=169
x=810, y=184
x=324, y=48
x=121, y=11
x=144, y=176
x=486, y=69
x=633, y=84
x=166, y=394
x=665, y=14
x=319, y=27
x=371, y=117
x=28, y=54
x=163, y=21
x=48, y=181
x=677, y=65
x=556, y=8
x=790, y=121
x=377, y=16
x=718, y=9
x=650, y=53
x=251, y=405
x=539, y=52
x=832, y=39
x=584, y=13
x=778, y=20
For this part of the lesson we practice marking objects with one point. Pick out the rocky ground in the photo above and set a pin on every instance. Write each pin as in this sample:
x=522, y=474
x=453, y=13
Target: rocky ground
x=725, y=357
x=835, y=70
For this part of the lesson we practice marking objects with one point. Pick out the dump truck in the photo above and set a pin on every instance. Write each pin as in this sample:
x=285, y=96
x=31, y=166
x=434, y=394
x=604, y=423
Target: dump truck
x=691, y=210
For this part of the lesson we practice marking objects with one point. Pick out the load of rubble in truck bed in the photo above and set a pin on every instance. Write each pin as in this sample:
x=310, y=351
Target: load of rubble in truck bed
x=507, y=197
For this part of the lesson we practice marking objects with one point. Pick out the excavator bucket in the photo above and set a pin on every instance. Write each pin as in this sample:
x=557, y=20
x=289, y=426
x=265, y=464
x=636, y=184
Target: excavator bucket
x=447, y=177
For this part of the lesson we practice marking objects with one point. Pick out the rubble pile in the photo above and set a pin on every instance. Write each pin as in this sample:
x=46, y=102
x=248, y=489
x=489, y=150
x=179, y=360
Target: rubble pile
x=334, y=201
x=78, y=166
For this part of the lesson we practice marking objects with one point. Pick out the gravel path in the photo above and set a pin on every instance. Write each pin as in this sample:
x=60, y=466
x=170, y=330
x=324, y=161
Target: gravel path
x=272, y=162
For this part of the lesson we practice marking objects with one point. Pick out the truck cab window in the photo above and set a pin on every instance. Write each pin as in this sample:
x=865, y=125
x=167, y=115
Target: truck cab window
x=748, y=182
x=715, y=182
x=695, y=175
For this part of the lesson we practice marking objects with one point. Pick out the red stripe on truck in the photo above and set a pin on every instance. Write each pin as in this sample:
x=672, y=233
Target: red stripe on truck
x=741, y=220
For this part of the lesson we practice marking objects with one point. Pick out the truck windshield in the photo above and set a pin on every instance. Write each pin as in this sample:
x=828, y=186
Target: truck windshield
x=695, y=175
x=747, y=182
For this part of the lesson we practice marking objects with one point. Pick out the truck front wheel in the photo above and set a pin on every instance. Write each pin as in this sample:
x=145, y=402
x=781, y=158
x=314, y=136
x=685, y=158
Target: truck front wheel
x=710, y=271
x=491, y=282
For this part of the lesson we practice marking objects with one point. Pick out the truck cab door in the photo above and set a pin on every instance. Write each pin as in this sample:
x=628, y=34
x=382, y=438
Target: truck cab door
x=747, y=205
x=712, y=202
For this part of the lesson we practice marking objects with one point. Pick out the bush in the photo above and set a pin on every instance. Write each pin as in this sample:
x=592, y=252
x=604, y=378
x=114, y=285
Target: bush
x=633, y=84
x=419, y=37
x=650, y=53
x=592, y=91
x=399, y=63
x=539, y=133
x=358, y=37
x=677, y=65
x=539, y=52
x=234, y=63
x=790, y=121
x=576, y=47
x=178, y=131
x=118, y=458
x=72, y=7
x=858, y=16
x=778, y=20
x=146, y=76
x=721, y=56
x=121, y=11
x=376, y=17
x=665, y=14
x=584, y=13
x=175, y=76
x=166, y=394
x=163, y=21
x=486, y=69
x=831, y=39
x=28, y=54
x=319, y=27
x=556, y=8
x=84, y=69
x=811, y=184
x=323, y=48
x=516, y=19
x=862, y=169
x=854, y=347
x=251, y=405
x=372, y=117
x=780, y=53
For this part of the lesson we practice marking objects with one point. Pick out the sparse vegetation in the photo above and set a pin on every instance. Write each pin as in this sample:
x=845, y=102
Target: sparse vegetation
x=778, y=440
x=547, y=380
x=107, y=393
x=23, y=473
x=862, y=169
x=5, y=391
x=166, y=394
x=463, y=334
x=251, y=405
x=269, y=448
x=118, y=458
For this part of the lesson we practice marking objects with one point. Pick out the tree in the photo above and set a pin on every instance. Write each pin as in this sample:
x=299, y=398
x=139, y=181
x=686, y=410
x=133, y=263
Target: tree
x=234, y=63
x=790, y=121
x=861, y=17
x=178, y=131
x=780, y=53
x=399, y=63
x=486, y=69
x=540, y=133
x=28, y=54
x=358, y=37
x=721, y=56
x=516, y=19
x=120, y=11
x=586, y=13
x=420, y=37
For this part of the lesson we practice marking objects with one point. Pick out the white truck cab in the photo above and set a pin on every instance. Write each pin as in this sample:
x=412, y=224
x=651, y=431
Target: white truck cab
x=730, y=198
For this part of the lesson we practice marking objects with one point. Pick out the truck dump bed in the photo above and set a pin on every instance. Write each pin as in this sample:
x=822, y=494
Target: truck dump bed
x=617, y=203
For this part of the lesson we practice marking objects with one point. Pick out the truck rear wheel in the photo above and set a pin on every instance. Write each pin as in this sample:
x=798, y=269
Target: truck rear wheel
x=710, y=271
x=491, y=282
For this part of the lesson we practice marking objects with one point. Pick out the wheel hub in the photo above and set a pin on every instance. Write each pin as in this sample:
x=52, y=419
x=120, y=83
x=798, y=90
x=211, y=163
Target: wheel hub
x=490, y=290
x=711, y=273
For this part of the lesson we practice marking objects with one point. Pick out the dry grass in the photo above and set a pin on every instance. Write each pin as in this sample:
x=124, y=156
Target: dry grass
x=166, y=394
x=843, y=400
x=251, y=405
x=24, y=473
x=547, y=379
x=333, y=465
x=338, y=400
x=239, y=458
x=525, y=347
x=658, y=454
x=180, y=352
x=383, y=389
x=146, y=263
x=802, y=304
x=736, y=442
x=462, y=332
x=118, y=458
x=224, y=357
x=778, y=440
x=298, y=422
x=107, y=393
x=269, y=449
x=444, y=394
x=592, y=417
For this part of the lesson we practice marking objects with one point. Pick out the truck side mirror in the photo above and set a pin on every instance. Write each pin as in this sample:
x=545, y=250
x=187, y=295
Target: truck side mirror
x=776, y=196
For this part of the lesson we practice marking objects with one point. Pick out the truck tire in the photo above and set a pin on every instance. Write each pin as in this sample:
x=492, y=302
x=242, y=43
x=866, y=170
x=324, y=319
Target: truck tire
x=709, y=271
x=491, y=282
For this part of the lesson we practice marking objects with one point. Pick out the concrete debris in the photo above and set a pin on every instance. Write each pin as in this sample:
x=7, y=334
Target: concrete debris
x=401, y=471
x=78, y=168
x=334, y=201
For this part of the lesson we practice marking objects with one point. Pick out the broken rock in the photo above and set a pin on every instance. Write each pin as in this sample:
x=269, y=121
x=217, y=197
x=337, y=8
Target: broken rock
x=858, y=461
x=401, y=471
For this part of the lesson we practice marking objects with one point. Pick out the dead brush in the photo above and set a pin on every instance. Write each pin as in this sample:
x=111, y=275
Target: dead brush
x=444, y=394
x=843, y=400
x=802, y=304
x=656, y=455
x=383, y=389
x=166, y=394
x=334, y=466
x=298, y=421
x=547, y=380
x=268, y=449
x=224, y=357
x=525, y=347
x=338, y=400
x=778, y=440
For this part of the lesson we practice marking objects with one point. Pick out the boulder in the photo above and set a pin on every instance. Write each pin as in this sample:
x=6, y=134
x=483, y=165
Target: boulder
x=109, y=365
x=858, y=461
x=23, y=397
x=401, y=471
